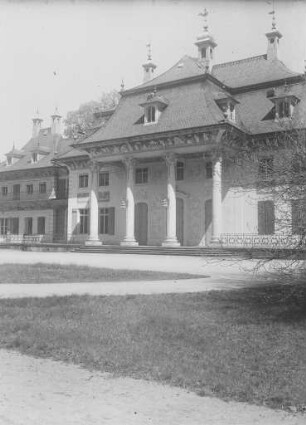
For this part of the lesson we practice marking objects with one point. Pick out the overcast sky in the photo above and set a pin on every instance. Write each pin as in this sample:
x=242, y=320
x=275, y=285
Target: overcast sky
x=68, y=52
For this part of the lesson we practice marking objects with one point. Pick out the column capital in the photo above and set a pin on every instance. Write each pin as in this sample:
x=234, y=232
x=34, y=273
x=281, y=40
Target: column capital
x=94, y=165
x=170, y=158
x=129, y=162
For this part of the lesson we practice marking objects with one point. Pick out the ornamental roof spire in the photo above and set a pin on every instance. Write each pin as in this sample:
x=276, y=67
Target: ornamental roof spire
x=273, y=37
x=148, y=67
x=206, y=44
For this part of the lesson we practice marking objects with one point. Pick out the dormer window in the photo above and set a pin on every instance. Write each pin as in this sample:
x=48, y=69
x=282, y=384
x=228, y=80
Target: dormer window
x=34, y=158
x=227, y=106
x=283, y=105
x=153, y=108
x=150, y=114
x=9, y=160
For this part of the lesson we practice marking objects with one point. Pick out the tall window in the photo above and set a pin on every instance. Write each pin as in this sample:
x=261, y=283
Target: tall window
x=179, y=170
x=141, y=175
x=34, y=157
x=42, y=187
x=14, y=226
x=16, y=191
x=28, y=225
x=29, y=189
x=83, y=180
x=104, y=178
x=266, y=218
x=283, y=109
x=4, y=190
x=298, y=217
x=107, y=221
x=4, y=226
x=41, y=225
x=84, y=221
x=151, y=114
x=265, y=168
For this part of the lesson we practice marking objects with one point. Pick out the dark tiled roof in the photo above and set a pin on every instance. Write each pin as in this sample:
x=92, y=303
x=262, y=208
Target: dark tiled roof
x=251, y=71
x=240, y=73
x=255, y=105
x=56, y=145
x=190, y=105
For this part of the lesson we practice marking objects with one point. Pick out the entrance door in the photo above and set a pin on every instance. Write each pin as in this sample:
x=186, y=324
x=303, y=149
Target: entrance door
x=208, y=221
x=180, y=220
x=141, y=223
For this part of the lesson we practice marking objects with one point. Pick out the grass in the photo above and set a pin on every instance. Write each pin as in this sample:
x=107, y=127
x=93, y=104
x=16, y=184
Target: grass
x=246, y=345
x=51, y=273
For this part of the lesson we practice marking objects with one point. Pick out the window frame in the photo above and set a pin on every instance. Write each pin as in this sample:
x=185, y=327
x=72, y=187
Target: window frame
x=84, y=221
x=4, y=190
x=264, y=226
x=29, y=189
x=151, y=114
x=180, y=171
x=107, y=221
x=16, y=193
x=83, y=180
x=266, y=171
x=141, y=175
x=42, y=185
x=103, y=178
x=41, y=220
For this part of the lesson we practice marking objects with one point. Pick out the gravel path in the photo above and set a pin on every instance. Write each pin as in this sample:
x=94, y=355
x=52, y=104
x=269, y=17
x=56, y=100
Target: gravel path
x=40, y=391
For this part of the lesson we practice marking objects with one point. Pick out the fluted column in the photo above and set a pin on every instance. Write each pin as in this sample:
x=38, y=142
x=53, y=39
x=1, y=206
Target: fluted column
x=93, y=237
x=129, y=238
x=171, y=239
x=217, y=201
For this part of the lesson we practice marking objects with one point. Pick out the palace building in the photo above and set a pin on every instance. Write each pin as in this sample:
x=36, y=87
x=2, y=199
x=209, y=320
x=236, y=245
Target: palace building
x=155, y=173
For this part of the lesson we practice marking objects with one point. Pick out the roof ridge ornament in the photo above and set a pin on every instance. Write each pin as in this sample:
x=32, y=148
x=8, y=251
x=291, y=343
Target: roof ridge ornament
x=273, y=15
x=204, y=15
x=149, y=51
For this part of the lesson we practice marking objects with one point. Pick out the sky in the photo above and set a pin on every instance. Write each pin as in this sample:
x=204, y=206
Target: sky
x=65, y=53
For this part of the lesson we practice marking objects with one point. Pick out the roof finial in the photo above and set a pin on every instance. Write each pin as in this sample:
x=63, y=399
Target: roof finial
x=149, y=51
x=122, y=85
x=204, y=14
x=273, y=16
x=305, y=66
x=13, y=146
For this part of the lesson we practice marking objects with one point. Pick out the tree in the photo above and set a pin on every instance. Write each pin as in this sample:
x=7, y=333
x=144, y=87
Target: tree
x=80, y=123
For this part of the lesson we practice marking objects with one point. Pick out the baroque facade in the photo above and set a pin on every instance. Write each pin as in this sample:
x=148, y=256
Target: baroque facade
x=158, y=172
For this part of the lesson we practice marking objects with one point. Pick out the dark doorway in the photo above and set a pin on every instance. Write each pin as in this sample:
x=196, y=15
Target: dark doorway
x=141, y=223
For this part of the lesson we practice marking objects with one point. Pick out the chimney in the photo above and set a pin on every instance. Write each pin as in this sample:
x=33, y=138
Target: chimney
x=56, y=122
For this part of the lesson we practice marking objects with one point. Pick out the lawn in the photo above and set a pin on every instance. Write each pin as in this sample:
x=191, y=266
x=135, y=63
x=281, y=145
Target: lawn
x=50, y=273
x=246, y=345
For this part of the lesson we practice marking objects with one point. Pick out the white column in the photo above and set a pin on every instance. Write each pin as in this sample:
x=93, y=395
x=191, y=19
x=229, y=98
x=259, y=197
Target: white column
x=129, y=238
x=217, y=201
x=171, y=239
x=93, y=237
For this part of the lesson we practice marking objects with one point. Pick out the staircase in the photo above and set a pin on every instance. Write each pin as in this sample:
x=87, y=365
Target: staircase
x=159, y=250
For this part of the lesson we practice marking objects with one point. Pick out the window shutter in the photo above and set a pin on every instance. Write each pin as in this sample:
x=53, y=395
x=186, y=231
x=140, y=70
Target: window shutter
x=266, y=218
x=111, y=223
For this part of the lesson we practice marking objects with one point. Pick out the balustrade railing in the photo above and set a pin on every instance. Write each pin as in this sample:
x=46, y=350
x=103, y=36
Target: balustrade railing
x=252, y=240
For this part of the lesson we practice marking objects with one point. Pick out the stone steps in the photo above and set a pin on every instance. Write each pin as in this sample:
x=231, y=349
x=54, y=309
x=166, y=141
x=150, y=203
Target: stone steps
x=158, y=250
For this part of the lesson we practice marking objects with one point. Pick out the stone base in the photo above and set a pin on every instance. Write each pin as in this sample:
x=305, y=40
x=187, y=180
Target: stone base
x=171, y=243
x=129, y=243
x=95, y=242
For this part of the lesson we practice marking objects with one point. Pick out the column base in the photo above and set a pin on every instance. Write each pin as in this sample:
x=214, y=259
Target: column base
x=129, y=242
x=93, y=242
x=173, y=242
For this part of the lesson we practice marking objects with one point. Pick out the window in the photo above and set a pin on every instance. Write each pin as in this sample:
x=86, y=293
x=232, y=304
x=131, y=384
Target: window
x=151, y=114
x=9, y=160
x=107, y=221
x=42, y=187
x=14, y=226
x=298, y=217
x=83, y=180
x=34, y=157
x=283, y=109
x=104, y=178
x=29, y=189
x=28, y=226
x=62, y=189
x=41, y=225
x=209, y=170
x=141, y=175
x=4, y=226
x=266, y=218
x=16, y=191
x=265, y=168
x=84, y=221
x=179, y=170
x=203, y=53
x=4, y=190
